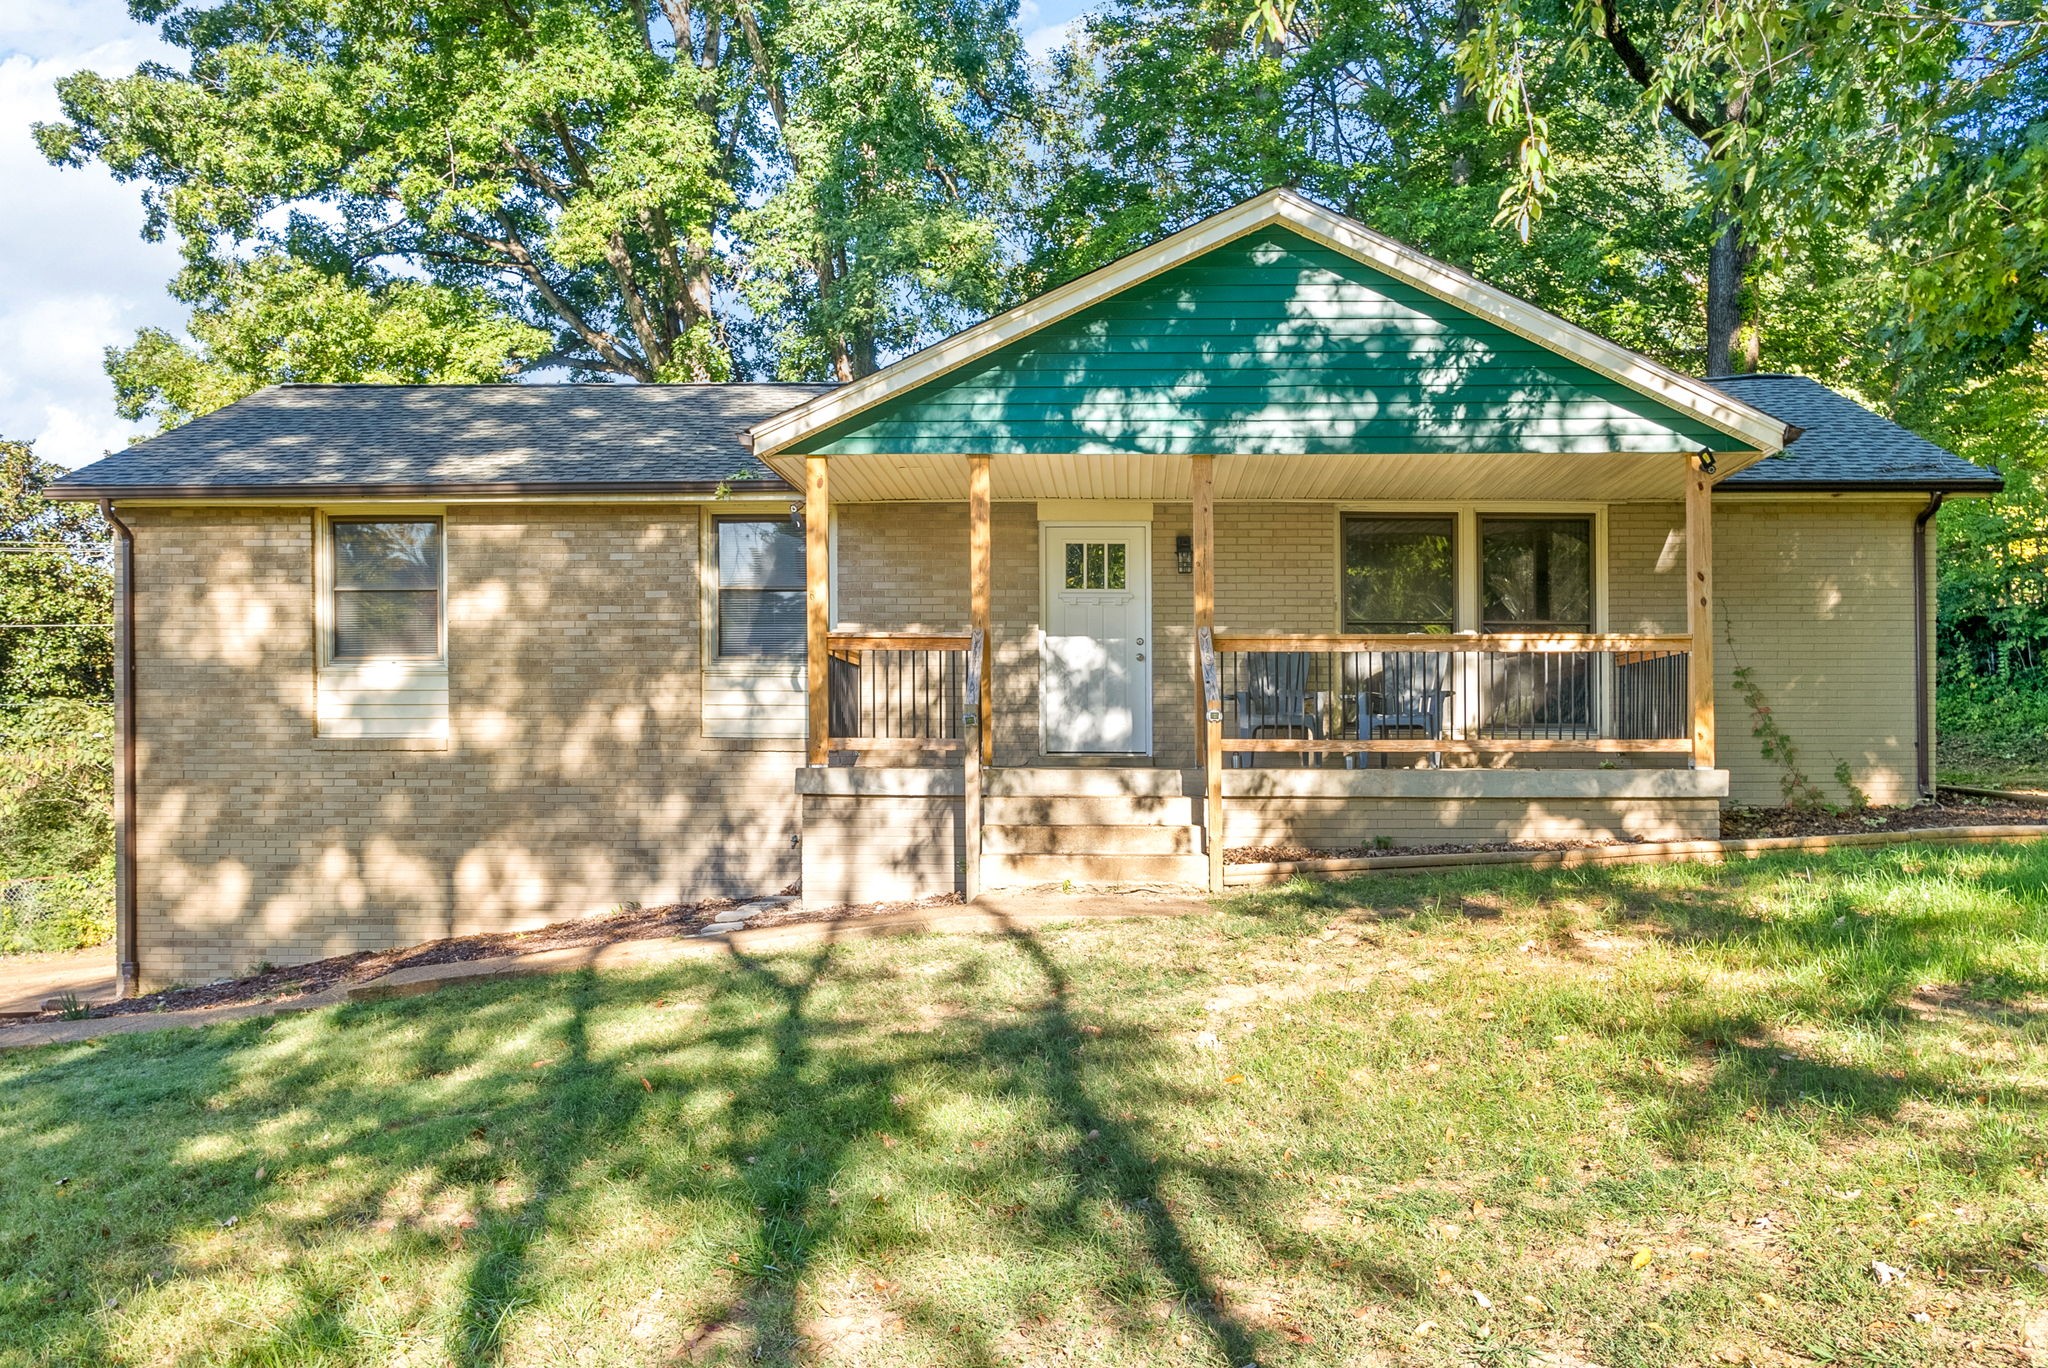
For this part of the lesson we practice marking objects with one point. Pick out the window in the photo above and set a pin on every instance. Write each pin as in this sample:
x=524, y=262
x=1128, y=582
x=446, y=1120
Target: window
x=1399, y=573
x=760, y=587
x=1098, y=565
x=1536, y=574
x=387, y=588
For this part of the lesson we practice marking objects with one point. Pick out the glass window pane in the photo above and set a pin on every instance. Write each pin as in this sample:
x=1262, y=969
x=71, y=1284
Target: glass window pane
x=1399, y=574
x=757, y=622
x=387, y=555
x=1536, y=573
x=760, y=553
x=1095, y=558
x=1117, y=569
x=377, y=623
x=1074, y=554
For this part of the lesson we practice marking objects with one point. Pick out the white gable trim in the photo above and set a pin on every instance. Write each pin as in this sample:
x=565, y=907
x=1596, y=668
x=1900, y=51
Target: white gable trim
x=1754, y=428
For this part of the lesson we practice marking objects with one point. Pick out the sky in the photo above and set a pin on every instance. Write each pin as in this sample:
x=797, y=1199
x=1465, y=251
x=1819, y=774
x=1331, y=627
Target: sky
x=75, y=275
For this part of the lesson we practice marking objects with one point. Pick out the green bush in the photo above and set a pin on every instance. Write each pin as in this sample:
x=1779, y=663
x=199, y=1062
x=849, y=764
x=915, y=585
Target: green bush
x=1993, y=722
x=56, y=826
x=64, y=912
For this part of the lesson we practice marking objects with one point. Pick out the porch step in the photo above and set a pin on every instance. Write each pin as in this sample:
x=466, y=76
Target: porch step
x=1090, y=782
x=1088, y=840
x=1090, y=811
x=1001, y=871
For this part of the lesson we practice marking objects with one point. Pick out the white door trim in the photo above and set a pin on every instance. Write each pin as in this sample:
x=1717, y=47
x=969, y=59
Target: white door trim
x=1140, y=533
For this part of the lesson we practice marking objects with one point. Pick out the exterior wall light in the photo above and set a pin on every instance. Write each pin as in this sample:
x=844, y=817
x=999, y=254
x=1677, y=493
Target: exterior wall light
x=1184, y=554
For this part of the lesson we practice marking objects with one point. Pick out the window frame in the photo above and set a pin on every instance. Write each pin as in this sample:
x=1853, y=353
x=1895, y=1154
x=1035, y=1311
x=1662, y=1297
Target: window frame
x=326, y=581
x=1465, y=549
x=1593, y=576
x=1344, y=519
x=715, y=591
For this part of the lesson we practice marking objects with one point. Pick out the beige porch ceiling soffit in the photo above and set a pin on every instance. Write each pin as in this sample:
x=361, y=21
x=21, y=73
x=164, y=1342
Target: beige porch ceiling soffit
x=1752, y=427
x=1465, y=478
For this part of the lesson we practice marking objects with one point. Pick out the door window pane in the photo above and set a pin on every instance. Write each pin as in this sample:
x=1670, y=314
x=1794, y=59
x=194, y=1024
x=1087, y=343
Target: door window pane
x=760, y=587
x=1118, y=570
x=387, y=589
x=1536, y=574
x=1399, y=574
x=1075, y=553
x=1095, y=564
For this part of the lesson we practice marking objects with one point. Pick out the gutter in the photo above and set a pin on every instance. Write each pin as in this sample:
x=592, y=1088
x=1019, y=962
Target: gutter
x=1923, y=719
x=127, y=957
x=691, y=490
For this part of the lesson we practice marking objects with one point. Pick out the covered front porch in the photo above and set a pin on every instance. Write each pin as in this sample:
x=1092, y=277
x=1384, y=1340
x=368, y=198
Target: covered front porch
x=1142, y=684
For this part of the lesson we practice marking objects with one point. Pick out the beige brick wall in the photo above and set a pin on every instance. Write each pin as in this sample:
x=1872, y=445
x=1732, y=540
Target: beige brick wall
x=1816, y=596
x=576, y=777
x=1359, y=823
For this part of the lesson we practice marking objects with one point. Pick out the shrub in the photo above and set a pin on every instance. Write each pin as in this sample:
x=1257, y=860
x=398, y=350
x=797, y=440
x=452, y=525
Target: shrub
x=56, y=826
x=1986, y=718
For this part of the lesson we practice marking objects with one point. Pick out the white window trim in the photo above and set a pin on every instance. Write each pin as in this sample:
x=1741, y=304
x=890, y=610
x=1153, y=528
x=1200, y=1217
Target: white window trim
x=1465, y=549
x=323, y=551
x=779, y=682
x=341, y=687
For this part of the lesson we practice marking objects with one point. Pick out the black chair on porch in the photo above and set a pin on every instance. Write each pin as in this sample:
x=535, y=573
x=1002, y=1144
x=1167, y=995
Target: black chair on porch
x=1276, y=697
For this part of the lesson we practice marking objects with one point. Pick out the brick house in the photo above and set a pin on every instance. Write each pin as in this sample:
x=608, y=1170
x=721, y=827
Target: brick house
x=1276, y=531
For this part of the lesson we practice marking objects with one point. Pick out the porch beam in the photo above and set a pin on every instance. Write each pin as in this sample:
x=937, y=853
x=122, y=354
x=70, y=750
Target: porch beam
x=1699, y=604
x=979, y=571
x=1202, y=494
x=818, y=609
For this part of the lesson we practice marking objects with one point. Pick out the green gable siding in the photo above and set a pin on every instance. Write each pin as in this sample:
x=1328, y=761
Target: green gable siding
x=1271, y=344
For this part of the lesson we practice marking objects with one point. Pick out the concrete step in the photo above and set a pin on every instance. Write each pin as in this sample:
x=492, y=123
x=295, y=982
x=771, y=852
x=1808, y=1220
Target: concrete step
x=1090, y=810
x=1090, y=782
x=1091, y=840
x=1010, y=871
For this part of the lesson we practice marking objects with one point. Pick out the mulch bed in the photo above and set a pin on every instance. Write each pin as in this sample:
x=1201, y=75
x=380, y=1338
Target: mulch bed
x=346, y=971
x=1736, y=824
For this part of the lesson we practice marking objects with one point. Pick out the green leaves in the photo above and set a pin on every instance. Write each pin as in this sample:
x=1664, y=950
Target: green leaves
x=661, y=190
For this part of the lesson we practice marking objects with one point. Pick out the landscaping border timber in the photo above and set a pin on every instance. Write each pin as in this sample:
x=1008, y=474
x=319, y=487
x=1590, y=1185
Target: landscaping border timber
x=1279, y=871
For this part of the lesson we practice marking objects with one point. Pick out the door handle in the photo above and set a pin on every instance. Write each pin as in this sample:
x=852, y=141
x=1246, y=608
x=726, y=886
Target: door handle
x=1141, y=655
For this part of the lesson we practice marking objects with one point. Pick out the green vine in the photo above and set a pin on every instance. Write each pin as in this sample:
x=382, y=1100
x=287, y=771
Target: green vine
x=1777, y=745
x=1859, y=798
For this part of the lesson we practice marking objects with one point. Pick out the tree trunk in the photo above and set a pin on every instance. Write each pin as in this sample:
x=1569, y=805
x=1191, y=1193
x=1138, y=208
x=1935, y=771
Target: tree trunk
x=1727, y=265
x=1461, y=101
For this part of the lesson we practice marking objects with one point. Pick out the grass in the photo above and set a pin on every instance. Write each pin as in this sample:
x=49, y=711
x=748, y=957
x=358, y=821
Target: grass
x=1644, y=1116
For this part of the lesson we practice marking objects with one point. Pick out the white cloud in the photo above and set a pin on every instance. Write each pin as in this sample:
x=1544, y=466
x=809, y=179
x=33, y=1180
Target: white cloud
x=75, y=275
x=1047, y=39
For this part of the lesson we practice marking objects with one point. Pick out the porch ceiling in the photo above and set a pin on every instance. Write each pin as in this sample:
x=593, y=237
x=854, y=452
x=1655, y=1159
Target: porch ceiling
x=1616, y=478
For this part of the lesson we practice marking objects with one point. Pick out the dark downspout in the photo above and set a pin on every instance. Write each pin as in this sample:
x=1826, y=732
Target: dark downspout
x=1923, y=722
x=125, y=952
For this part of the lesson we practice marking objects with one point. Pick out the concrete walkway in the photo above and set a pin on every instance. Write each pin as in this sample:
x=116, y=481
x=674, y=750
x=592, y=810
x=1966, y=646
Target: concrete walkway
x=28, y=981
x=993, y=914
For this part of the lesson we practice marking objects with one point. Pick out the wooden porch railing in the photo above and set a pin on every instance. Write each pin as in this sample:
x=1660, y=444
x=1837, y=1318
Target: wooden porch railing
x=1342, y=694
x=899, y=692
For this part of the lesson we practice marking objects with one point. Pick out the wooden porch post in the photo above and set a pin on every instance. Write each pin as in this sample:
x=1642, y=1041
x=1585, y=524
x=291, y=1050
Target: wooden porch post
x=817, y=608
x=980, y=740
x=978, y=571
x=1202, y=493
x=1699, y=603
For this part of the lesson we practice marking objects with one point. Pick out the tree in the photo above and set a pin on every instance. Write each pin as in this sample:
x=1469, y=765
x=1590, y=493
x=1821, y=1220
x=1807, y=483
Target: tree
x=274, y=320
x=1800, y=114
x=1166, y=111
x=603, y=170
x=56, y=589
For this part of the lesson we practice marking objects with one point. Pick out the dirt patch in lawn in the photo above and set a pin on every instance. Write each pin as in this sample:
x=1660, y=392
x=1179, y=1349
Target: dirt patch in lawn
x=346, y=971
x=1737, y=823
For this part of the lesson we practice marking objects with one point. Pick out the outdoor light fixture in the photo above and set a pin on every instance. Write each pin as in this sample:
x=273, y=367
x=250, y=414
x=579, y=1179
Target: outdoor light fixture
x=796, y=516
x=1706, y=461
x=1184, y=554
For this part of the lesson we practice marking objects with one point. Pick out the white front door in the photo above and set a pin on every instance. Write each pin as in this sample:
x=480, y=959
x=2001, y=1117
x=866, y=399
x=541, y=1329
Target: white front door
x=1095, y=656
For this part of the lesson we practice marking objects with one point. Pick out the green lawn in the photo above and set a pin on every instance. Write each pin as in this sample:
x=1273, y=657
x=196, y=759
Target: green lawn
x=1647, y=1116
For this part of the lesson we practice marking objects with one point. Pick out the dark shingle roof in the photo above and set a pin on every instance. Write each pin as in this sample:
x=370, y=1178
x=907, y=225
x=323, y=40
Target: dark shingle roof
x=338, y=440
x=395, y=439
x=1844, y=445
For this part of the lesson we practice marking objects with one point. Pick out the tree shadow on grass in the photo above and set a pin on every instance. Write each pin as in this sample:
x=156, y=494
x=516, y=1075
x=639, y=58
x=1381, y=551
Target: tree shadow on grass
x=792, y=1095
